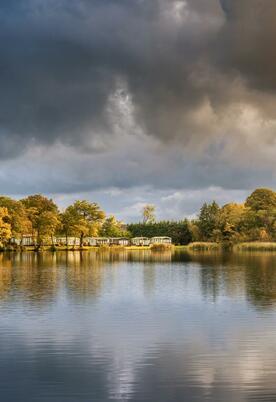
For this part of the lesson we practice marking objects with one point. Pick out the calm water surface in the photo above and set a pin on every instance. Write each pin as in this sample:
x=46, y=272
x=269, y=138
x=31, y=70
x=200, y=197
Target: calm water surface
x=137, y=326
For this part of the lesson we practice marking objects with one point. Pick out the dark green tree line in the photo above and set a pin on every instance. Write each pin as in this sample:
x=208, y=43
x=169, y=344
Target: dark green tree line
x=178, y=231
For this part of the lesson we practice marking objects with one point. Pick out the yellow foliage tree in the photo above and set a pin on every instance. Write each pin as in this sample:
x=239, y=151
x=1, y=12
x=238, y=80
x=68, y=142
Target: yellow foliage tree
x=5, y=226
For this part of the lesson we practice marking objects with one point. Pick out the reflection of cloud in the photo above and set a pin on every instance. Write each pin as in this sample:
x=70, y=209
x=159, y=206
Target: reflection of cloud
x=166, y=340
x=121, y=377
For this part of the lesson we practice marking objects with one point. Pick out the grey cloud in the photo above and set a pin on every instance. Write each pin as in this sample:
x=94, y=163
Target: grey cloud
x=250, y=35
x=166, y=94
x=61, y=170
x=60, y=63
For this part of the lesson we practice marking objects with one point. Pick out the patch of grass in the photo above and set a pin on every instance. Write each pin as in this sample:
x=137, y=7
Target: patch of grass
x=204, y=246
x=161, y=247
x=137, y=248
x=117, y=248
x=103, y=247
x=256, y=246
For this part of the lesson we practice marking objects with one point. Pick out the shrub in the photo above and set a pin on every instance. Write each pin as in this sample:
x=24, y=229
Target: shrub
x=204, y=246
x=161, y=247
x=256, y=246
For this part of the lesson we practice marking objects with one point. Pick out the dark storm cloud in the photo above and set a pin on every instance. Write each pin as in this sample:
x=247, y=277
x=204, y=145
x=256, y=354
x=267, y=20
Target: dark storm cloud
x=51, y=86
x=250, y=33
x=170, y=93
x=60, y=62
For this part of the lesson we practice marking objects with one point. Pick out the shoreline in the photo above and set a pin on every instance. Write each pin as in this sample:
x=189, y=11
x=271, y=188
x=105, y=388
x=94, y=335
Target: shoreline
x=192, y=247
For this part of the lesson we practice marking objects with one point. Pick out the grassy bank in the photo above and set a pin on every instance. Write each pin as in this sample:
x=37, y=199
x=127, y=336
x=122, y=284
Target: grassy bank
x=204, y=246
x=256, y=246
x=246, y=246
x=86, y=248
x=192, y=247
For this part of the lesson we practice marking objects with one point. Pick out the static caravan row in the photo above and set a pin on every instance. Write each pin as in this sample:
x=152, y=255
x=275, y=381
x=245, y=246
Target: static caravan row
x=161, y=240
x=102, y=241
x=90, y=241
x=28, y=240
x=119, y=241
x=87, y=241
x=112, y=241
x=63, y=241
x=145, y=241
x=140, y=241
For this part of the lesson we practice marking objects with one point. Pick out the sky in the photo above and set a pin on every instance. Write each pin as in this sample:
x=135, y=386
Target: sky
x=128, y=102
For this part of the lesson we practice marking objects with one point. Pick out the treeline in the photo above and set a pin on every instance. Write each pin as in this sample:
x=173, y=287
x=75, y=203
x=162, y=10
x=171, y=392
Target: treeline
x=179, y=231
x=254, y=220
x=39, y=216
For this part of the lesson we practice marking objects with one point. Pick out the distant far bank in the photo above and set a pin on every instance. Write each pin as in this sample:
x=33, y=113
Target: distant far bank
x=192, y=247
x=37, y=221
x=245, y=246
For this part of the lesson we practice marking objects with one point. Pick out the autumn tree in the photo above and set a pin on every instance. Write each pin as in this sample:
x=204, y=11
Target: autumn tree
x=260, y=219
x=261, y=199
x=83, y=218
x=69, y=223
x=18, y=218
x=113, y=228
x=5, y=226
x=43, y=213
x=149, y=213
x=229, y=222
x=49, y=221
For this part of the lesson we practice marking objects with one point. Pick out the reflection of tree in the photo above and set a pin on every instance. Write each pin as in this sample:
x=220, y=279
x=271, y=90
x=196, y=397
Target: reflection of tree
x=221, y=274
x=252, y=275
x=36, y=277
x=149, y=275
x=32, y=275
x=149, y=256
x=5, y=276
x=210, y=281
x=83, y=273
x=261, y=279
x=85, y=269
x=211, y=270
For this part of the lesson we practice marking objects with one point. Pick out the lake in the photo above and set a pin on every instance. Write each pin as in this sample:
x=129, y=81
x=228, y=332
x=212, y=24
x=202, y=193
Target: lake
x=137, y=326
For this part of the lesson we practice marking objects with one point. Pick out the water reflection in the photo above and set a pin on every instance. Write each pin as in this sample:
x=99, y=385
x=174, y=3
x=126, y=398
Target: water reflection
x=29, y=275
x=253, y=274
x=137, y=326
x=37, y=276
